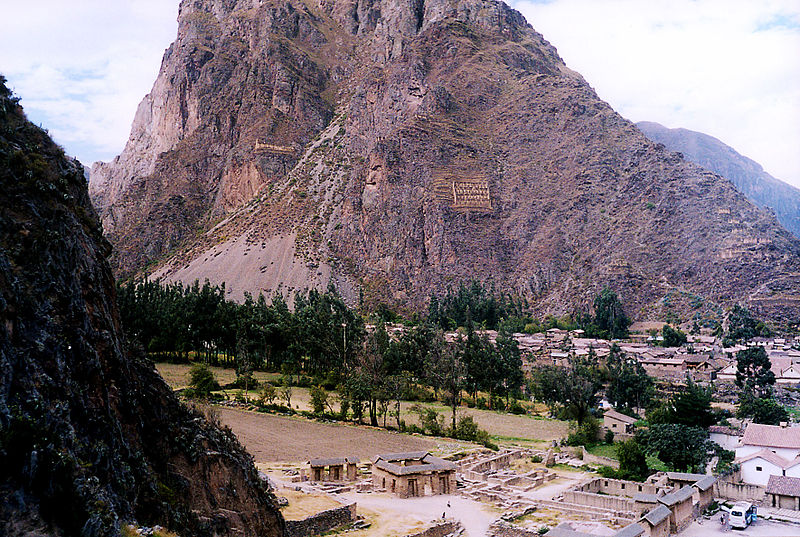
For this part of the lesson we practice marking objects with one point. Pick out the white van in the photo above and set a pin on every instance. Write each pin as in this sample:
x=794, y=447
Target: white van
x=742, y=514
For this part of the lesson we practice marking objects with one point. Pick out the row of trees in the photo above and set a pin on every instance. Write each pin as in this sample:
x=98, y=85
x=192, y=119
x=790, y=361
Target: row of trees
x=171, y=321
x=387, y=368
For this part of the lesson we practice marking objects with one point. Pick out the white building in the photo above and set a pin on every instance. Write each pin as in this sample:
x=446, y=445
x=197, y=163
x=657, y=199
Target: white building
x=727, y=437
x=769, y=450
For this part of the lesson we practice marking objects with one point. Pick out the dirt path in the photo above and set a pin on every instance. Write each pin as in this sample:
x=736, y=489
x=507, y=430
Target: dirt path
x=474, y=516
x=272, y=438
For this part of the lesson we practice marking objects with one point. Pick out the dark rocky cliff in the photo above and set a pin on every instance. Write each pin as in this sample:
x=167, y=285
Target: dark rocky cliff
x=395, y=148
x=90, y=435
x=748, y=176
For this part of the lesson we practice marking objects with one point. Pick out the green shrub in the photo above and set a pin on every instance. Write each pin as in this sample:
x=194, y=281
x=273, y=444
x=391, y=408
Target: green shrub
x=585, y=434
x=319, y=398
x=202, y=381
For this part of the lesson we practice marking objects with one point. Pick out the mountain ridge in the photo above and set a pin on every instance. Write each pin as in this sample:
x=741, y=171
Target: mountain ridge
x=749, y=176
x=423, y=144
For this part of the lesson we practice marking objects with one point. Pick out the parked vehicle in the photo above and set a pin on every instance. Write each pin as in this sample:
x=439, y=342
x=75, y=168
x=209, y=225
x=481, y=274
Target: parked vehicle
x=742, y=515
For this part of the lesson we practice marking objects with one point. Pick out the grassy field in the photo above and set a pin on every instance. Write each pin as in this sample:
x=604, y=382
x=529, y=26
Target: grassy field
x=604, y=450
x=507, y=428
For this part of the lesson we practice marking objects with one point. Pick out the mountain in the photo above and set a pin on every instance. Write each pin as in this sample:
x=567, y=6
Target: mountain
x=394, y=148
x=90, y=435
x=748, y=176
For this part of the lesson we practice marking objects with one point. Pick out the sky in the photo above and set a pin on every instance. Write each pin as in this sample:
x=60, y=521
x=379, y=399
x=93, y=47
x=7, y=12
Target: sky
x=728, y=68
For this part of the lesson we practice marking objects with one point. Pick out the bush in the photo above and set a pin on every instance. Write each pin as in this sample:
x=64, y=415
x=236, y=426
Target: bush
x=516, y=408
x=466, y=429
x=609, y=437
x=632, y=461
x=319, y=398
x=586, y=434
x=431, y=422
x=202, y=381
x=268, y=394
x=536, y=459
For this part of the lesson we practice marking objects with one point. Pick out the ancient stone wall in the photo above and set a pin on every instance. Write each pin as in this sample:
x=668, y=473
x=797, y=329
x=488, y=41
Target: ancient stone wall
x=442, y=529
x=739, y=491
x=321, y=522
x=603, y=501
x=503, y=529
x=618, y=487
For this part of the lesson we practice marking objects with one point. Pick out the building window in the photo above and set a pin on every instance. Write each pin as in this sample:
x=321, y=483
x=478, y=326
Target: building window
x=758, y=468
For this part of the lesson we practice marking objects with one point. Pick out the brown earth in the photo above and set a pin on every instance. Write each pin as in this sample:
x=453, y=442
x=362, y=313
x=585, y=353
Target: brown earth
x=275, y=438
x=394, y=149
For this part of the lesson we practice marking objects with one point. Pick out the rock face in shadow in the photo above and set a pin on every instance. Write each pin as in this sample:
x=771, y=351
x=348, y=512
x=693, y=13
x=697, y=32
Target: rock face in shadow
x=90, y=435
x=396, y=148
x=748, y=176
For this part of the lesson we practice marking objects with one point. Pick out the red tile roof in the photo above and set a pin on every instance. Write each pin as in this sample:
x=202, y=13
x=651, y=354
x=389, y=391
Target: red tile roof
x=783, y=485
x=771, y=436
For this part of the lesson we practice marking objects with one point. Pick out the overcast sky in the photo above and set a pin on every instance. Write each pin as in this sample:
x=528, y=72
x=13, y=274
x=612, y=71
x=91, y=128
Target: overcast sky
x=728, y=68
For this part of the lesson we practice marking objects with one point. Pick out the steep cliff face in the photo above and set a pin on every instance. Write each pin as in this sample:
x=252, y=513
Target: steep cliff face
x=748, y=176
x=90, y=435
x=436, y=141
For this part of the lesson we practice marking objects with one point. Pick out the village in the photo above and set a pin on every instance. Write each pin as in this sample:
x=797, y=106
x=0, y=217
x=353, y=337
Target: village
x=526, y=492
x=557, y=490
x=702, y=358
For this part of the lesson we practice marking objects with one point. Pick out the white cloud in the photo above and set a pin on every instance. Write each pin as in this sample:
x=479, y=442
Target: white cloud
x=81, y=68
x=728, y=68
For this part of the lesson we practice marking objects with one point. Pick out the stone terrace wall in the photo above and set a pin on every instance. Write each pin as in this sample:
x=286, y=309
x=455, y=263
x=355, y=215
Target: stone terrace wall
x=617, y=487
x=442, y=529
x=503, y=529
x=321, y=522
x=612, y=503
x=739, y=491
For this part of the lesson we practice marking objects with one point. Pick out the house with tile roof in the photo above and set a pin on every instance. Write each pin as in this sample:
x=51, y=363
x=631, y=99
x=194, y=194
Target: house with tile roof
x=619, y=424
x=783, y=492
x=780, y=439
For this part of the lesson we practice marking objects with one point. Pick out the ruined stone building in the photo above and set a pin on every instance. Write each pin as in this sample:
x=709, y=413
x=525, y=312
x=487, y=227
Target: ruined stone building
x=413, y=474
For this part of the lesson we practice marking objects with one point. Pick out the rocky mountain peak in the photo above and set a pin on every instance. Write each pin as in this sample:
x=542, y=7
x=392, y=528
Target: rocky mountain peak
x=394, y=148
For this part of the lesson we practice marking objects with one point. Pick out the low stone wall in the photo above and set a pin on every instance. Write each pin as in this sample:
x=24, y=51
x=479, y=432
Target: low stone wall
x=739, y=491
x=503, y=529
x=603, y=501
x=441, y=529
x=321, y=522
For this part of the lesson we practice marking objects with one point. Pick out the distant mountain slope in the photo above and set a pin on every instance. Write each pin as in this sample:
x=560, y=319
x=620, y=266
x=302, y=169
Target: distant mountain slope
x=395, y=148
x=748, y=176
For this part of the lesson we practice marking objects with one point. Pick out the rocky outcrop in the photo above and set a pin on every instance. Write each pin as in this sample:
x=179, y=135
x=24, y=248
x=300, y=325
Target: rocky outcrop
x=400, y=147
x=747, y=175
x=90, y=435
